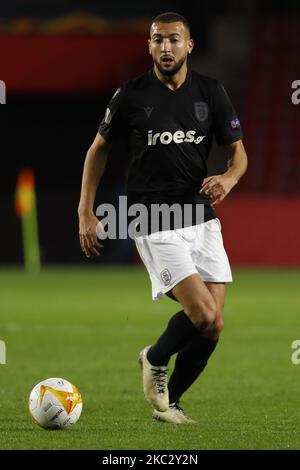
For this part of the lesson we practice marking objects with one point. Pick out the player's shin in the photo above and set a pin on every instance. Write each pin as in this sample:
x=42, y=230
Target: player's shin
x=190, y=362
x=180, y=330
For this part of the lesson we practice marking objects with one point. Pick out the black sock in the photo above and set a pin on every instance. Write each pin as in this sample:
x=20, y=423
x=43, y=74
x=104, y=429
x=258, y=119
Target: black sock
x=190, y=362
x=179, y=331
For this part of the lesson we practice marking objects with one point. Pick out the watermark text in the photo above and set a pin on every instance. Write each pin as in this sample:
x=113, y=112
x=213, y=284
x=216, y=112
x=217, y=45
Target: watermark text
x=136, y=220
x=2, y=352
x=295, y=97
x=295, y=357
x=2, y=92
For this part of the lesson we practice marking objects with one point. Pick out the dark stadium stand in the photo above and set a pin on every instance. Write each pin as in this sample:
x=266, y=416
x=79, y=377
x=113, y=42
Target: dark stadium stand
x=271, y=120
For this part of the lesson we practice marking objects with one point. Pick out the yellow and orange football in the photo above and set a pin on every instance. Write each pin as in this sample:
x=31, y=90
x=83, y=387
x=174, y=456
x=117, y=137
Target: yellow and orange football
x=55, y=404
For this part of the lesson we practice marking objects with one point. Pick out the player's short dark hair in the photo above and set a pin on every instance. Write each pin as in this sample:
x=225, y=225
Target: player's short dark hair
x=172, y=17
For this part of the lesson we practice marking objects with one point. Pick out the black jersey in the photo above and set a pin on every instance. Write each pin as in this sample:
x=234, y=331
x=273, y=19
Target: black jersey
x=169, y=135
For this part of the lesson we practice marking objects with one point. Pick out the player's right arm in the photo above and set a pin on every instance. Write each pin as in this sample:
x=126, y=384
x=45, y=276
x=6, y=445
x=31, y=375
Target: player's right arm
x=110, y=129
x=92, y=173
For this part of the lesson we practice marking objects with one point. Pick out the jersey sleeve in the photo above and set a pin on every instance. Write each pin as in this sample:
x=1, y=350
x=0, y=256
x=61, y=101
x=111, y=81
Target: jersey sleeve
x=112, y=123
x=226, y=124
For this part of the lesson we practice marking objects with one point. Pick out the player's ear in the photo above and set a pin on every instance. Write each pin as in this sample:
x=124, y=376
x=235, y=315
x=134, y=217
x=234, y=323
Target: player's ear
x=149, y=46
x=190, y=45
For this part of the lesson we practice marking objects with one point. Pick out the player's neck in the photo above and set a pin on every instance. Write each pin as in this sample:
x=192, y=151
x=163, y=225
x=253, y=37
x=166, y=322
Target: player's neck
x=174, y=81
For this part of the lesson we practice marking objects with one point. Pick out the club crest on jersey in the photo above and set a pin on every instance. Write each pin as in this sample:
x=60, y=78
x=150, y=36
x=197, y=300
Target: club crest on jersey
x=201, y=110
x=178, y=137
x=166, y=276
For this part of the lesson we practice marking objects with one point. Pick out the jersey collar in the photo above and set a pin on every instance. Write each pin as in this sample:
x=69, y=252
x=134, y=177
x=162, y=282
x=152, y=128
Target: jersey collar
x=154, y=79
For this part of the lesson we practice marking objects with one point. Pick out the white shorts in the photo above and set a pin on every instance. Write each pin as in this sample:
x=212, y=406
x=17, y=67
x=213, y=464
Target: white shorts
x=172, y=255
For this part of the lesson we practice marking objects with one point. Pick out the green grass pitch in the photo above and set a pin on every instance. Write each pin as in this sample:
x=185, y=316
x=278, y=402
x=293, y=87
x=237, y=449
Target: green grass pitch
x=88, y=325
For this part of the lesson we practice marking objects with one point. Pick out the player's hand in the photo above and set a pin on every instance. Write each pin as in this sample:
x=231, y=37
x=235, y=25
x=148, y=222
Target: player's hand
x=217, y=187
x=87, y=235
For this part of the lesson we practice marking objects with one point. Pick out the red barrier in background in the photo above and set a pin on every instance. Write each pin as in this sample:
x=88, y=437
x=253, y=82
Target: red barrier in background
x=261, y=231
x=73, y=63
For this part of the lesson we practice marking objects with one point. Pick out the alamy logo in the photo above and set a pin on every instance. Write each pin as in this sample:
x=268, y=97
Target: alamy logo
x=295, y=358
x=2, y=92
x=135, y=220
x=177, y=137
x=2, y=352
x=296, y=94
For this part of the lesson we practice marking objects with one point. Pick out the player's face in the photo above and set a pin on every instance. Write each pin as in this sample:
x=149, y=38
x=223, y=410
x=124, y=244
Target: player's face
x=169, y=45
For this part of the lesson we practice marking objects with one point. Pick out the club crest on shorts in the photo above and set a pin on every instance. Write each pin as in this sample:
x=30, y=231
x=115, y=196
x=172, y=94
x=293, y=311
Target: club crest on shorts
x=201, y=110
x=166, y=276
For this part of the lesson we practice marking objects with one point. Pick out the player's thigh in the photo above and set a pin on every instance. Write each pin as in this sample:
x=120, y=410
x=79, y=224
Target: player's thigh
x=218, y=292
x=196, y=300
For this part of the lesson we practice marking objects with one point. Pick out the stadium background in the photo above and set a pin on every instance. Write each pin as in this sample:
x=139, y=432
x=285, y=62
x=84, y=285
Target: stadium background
x=61, y=62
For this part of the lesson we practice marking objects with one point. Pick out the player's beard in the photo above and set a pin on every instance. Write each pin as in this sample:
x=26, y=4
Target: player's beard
x=172, y=70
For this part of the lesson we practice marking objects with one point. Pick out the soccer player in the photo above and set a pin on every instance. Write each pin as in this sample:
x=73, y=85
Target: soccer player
x=169, y=116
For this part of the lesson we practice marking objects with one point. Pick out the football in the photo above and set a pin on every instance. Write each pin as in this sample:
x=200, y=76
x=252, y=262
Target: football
x=55, y=404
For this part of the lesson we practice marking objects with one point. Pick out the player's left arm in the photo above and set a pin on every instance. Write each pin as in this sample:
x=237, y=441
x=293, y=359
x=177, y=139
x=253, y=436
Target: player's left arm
x=218, y=186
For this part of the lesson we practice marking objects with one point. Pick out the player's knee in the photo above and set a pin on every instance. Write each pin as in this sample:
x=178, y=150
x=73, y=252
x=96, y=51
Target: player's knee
x=216, y=328
x=202, y=314
x=218, y=325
